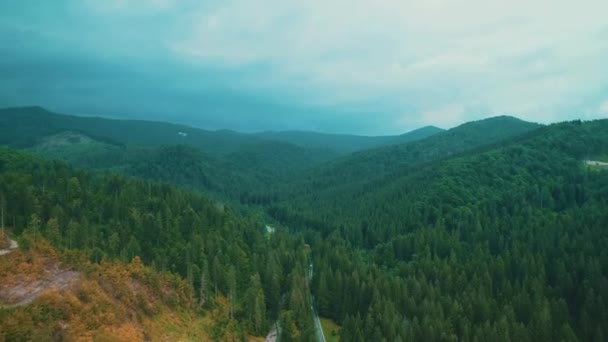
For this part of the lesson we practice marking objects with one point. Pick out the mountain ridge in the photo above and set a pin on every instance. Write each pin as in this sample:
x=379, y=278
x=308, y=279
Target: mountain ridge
x=224, y=140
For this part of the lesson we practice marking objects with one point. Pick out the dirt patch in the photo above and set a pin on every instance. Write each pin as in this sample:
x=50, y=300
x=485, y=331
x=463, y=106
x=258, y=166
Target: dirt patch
x=12, y=245
x=26, y=291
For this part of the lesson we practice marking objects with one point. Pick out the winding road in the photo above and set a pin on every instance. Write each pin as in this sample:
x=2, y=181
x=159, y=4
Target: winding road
x=315, y=316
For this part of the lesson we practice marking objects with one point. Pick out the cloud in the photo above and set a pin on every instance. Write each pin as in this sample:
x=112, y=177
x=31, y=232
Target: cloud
x=603, y=109
x=518, y=56
x=350, y=66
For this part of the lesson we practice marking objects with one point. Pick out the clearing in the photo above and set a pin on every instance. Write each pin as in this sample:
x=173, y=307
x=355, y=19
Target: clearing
x=330, y=329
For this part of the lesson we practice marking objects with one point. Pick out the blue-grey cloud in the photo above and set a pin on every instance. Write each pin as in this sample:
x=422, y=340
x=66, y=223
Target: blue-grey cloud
x=346, y=66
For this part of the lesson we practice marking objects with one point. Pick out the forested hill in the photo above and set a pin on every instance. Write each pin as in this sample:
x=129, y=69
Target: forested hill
x=26, y=126
x=227, y=164
x=491, y=231
x=235, y=272
x=379, y=162
x=346, y=143
x=507, y=243
x=23, y=127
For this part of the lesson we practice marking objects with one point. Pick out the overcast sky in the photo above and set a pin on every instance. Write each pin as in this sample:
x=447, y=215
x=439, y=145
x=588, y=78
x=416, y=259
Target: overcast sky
x=366, y=67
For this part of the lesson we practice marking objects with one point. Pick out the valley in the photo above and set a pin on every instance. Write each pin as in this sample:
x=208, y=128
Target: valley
x=491, y=230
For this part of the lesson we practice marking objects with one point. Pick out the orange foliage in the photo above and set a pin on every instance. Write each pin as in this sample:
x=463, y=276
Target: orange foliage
x=109, y=302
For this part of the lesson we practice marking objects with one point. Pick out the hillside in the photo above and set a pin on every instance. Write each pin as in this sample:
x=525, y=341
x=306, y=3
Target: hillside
x=491, y=230
x=226, y=258
x=379, y=162
x=225, y=164
x=62, y=296
x=25, y=126
x=345, y=143
x=482, y=245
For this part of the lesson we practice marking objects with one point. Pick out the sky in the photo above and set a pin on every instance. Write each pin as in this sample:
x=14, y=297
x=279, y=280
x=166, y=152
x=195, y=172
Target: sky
x=362, y=67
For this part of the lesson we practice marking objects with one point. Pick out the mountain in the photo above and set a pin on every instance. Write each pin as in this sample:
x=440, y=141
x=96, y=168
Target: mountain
x=345, y=143
x=81, y=150
x=378, y=162
x=492, y=230
x=224, y=163
x=508, y=240
x=84, y=239
x=25, y=126
x=51, y=295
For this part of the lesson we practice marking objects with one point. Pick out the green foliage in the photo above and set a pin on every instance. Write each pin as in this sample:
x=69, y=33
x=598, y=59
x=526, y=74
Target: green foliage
x=110, y=217
x=345, y=143
x=380, y=162
x=493, y=230
x=503, y=243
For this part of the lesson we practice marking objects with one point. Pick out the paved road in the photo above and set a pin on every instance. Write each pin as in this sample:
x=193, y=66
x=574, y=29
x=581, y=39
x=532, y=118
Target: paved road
x=318, y=328
x=315, y=316
x=273, y=334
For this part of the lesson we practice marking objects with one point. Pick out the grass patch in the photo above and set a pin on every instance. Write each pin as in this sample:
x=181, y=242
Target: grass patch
x=180, y=326
x=330, y=329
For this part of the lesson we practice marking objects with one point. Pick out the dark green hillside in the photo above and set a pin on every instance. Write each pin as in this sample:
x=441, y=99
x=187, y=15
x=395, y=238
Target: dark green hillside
x=24, y=127
x=492, y=231
x=345, y=143
x=189, y=168
x=224, y=163
x=82, y=150
x=235, y=273
x=381, y=161
x=271, y=159
x=503, y=244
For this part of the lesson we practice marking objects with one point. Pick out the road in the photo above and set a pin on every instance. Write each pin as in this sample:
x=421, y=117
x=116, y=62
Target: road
x=273, y=335
x=315, y=316
x=275, y=331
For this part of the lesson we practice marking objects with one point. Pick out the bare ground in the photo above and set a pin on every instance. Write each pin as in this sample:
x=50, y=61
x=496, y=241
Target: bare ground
x=13, y=245
x=26, y=290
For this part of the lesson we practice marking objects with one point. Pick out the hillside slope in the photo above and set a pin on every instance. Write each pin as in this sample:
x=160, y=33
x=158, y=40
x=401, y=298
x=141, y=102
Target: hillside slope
x=346, y=143
x=228, y=259
x=222, y=163
x=381, y=162
x=25, y=126
x=62, y=296
x=506, y=242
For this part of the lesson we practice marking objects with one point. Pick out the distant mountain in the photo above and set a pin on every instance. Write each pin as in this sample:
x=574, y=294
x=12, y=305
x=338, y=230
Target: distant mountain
x=223, y=162
x=471, y=230
x=81, y=150
x=374, y=163
x=83, y=240
x=346, y=143
x=236, y=164
x=25, y=126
